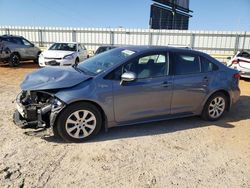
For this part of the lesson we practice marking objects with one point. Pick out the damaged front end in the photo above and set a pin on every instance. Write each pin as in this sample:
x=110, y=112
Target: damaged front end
x=36, y=109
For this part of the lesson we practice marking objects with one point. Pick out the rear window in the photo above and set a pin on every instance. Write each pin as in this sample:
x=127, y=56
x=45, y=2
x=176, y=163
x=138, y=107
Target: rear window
x=186, y=64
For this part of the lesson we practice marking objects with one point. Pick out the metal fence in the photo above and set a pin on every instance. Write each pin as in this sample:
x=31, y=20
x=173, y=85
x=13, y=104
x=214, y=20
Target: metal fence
x=213, y=42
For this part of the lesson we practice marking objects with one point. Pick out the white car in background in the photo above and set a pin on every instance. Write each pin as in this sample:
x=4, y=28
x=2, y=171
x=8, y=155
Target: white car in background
x=61, y=54
x=241, y=62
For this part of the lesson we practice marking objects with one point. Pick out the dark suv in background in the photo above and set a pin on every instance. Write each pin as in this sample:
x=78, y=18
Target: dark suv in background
x=102, y=49
x=13, y=49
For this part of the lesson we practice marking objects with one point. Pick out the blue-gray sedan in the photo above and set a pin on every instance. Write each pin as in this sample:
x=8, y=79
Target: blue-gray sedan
x=124, y=86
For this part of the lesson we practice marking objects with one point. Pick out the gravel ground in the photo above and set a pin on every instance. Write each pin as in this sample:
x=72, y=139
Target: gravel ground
x=182, y=153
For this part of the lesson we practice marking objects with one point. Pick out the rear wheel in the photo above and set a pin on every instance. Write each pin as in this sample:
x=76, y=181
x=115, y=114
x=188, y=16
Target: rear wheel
x=79, y=122
x=215, y=107
x=14, y=60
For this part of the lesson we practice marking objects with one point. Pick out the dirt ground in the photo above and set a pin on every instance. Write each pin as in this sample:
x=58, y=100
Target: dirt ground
x=182, y=153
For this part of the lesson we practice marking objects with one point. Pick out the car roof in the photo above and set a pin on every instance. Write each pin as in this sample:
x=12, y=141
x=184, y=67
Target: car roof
x=105, y=46
x=66, y=43
x=145, y=49
x=7, y=36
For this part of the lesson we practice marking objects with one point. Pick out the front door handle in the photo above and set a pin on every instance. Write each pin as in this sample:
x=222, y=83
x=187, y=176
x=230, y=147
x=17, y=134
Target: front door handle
x=166, y=84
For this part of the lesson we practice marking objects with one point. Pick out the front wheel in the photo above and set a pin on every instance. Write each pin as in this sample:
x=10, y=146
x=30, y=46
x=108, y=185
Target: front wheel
x=215, y=107
x=77, y=61
x=36, y=61
x=78, y=122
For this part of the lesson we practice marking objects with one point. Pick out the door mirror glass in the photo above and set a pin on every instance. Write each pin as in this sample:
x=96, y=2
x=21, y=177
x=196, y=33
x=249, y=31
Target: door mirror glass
x=128, y=77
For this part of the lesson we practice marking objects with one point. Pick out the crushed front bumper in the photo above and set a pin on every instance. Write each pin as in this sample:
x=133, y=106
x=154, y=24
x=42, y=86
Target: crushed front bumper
x=32, y=116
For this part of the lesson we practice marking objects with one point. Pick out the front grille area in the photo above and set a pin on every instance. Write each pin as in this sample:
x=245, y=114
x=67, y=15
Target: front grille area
x=49, y=58
x=52, y=63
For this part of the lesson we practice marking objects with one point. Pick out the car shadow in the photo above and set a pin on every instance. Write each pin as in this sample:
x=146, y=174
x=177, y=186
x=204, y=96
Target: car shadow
x=245, y=79
x=23, y=64
x=239, y=111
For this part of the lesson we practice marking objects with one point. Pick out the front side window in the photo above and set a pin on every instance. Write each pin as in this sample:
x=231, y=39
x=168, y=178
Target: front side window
x=150, y=66
x=79, y=47
x=26, y=43
x=186, y=64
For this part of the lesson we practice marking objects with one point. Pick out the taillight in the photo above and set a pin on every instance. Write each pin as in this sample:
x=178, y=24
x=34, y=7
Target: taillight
x=235, y=62
x=237, y=76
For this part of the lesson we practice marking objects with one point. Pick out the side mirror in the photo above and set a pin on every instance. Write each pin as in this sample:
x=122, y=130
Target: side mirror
x=128, y=77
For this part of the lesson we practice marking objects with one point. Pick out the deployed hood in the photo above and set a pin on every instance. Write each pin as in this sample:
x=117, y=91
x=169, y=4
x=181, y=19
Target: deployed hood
x=56, y=53
x=53, y=78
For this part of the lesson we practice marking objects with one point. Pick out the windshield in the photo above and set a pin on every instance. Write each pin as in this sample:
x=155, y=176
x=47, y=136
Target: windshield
x=103, y=61
x=63, y=46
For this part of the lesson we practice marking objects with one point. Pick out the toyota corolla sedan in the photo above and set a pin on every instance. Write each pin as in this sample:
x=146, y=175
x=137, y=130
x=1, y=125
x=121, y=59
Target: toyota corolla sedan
x=63, y=54
x=124, y=86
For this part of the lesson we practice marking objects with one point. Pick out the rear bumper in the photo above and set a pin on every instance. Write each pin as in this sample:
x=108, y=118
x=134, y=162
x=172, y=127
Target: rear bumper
x=235, y=96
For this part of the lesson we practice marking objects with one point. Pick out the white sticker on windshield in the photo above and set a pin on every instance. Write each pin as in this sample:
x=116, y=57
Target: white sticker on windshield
x=127, y=52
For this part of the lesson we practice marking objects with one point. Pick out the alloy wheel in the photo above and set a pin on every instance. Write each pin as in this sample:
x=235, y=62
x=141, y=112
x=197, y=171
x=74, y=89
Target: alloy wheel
x=216, y=107
x=80, y=124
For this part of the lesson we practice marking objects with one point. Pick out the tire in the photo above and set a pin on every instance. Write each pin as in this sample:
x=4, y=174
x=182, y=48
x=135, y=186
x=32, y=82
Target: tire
x=14, y=60
x=215, y=107
x=78, y=129
x=77, y=61
x=37, y=58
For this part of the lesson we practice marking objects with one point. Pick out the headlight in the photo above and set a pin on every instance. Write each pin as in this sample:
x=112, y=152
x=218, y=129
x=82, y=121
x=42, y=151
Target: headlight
x=56, y=103
x=70, y=56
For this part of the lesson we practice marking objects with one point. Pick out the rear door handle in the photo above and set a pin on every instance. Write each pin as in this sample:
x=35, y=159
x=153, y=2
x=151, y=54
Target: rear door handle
x=205, y=79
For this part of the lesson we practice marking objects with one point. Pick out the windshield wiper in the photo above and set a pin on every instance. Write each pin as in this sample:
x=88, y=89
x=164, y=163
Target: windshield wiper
x=78, y=69
x=75, y=66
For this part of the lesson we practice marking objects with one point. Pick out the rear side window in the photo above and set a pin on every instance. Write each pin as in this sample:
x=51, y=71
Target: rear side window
x=208, y=66
x=186, y=64
x=4, y=39
x=16, y=40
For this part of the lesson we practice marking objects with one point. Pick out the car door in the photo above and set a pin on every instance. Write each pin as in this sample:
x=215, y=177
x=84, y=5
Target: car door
x=82, y=52
x=190, y=83
x=29, y=49
x=147, y=97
